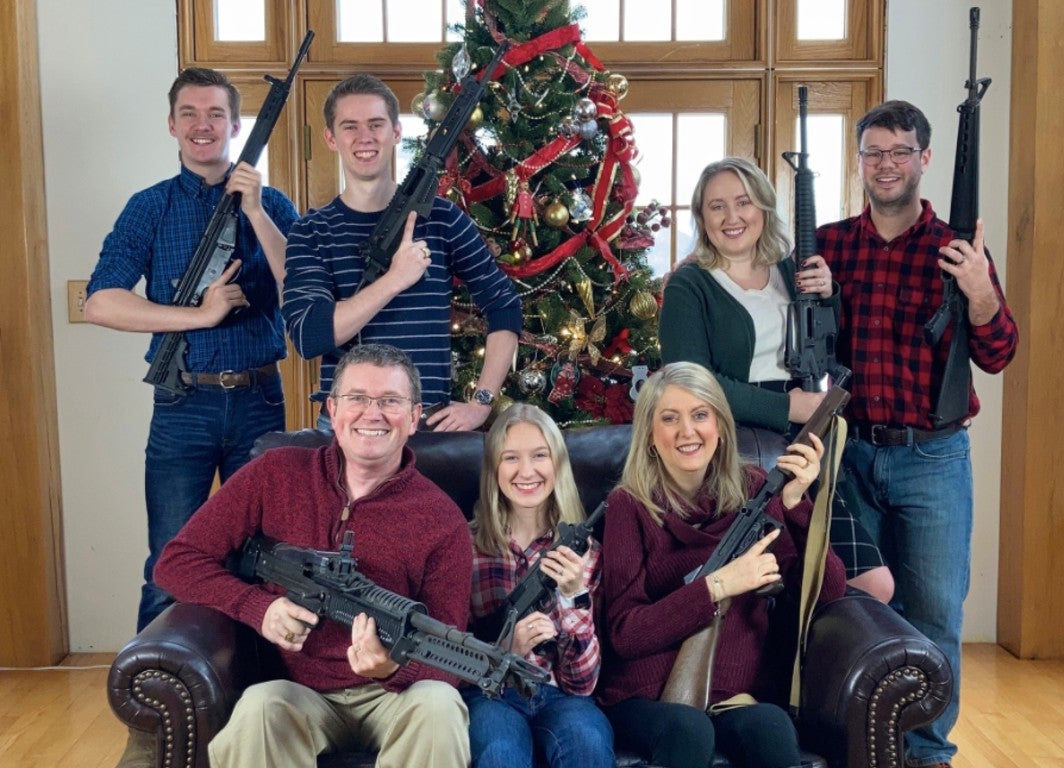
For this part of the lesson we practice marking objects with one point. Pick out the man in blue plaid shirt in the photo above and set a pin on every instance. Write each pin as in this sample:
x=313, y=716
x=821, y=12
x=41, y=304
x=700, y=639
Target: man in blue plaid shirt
x=233, y=384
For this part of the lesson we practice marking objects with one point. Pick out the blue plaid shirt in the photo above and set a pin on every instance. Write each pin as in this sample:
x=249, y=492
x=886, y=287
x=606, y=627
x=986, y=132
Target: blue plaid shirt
x=155, y=237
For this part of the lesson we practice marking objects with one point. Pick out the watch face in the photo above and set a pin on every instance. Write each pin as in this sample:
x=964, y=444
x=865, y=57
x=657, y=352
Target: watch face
x=484, y=397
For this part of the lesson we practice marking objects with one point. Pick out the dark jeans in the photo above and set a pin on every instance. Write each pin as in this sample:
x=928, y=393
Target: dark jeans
x=192, y=436
x=679, y=736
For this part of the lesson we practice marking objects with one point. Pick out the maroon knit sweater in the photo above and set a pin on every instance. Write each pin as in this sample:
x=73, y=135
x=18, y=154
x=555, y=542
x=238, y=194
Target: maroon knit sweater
x=650, y=611
x=410, y=538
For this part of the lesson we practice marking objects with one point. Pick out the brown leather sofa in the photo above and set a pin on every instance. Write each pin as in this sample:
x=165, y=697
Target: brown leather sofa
x=869, y=676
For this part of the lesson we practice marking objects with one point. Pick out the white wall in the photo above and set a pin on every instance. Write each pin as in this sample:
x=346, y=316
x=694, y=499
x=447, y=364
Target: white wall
x=105, y=69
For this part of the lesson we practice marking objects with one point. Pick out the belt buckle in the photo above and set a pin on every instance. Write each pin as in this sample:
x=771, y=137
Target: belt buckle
x=879, y=435
x=221, y=379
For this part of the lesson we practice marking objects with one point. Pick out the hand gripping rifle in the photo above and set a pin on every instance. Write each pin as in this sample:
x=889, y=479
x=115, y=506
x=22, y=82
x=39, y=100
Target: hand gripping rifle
x=418, y=189
x=328, y=584
x=218, y=241
x=752, y=523
x=952, y=402
x=811, y=327
x=535, y=591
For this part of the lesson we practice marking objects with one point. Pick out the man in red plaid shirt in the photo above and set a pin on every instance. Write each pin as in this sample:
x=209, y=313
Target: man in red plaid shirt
x=912, y=473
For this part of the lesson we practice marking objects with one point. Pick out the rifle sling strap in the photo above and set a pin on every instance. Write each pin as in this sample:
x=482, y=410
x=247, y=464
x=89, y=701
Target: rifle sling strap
x=816, y=547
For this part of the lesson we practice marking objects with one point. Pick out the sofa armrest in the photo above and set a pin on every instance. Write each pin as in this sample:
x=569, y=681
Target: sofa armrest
x=180, y=678
x=869, y=677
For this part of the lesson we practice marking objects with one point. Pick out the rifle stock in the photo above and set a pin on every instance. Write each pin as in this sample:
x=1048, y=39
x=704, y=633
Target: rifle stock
x=329, y=584
x=218, y=241
x=951, y=404
x=811, y=328
x=418, y=188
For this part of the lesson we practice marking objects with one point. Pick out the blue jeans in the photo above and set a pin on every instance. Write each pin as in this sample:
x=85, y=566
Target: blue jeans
x=916, y=502
x=193, y=436
x=511, y=732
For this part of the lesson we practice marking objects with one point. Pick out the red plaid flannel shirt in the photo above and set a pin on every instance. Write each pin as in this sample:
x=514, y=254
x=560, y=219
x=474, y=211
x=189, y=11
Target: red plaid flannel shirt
x=575, y=668
x=889, y=290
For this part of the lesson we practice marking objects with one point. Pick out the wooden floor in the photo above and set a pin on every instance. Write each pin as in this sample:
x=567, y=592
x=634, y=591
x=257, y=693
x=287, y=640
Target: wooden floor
x=1012, y=714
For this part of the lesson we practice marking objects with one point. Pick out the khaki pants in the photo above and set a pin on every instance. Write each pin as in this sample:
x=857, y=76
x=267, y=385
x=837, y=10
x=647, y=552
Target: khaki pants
x=287, y=725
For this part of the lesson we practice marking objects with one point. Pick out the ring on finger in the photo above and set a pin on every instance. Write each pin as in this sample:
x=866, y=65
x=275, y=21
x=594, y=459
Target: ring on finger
x=290, y=636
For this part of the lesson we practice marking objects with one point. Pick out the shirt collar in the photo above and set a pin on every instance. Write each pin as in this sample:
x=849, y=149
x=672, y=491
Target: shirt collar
x=195, y=185
x=927, y=215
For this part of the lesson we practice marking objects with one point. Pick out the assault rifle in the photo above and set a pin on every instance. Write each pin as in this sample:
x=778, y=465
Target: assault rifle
x=418, y=189
x=218, y=241
x=952, y=402
x=811, y=327
x=751, y=523
x=535, y=591
x=328, y=584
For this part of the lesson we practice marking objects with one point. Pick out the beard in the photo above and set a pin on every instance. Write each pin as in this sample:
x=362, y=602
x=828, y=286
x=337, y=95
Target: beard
x=901, y=201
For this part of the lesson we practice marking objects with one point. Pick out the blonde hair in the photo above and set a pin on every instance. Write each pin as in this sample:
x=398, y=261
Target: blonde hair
x=773, y=244
x=491, y=513
x=645, y=476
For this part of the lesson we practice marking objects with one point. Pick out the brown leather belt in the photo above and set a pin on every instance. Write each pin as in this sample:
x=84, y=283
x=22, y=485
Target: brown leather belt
x=231, y=379
x=881, y=435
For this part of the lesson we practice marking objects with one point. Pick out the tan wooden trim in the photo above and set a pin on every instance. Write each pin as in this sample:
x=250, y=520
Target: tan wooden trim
x=32, y=583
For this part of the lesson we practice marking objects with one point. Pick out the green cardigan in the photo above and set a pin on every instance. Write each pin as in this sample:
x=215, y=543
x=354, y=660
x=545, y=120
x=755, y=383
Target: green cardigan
x=702, y=323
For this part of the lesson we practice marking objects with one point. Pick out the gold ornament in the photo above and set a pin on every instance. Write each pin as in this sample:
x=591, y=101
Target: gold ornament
x=556, y=215
x=617, y=85
x=579, y=337
x=583, y=289
x=476, y=119
x=433, y=107
x=643, y=305
x=417, y=104
x=502, y=402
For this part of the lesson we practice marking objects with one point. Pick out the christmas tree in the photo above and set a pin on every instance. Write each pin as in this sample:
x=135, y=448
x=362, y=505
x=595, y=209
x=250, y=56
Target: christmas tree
x=545, y=169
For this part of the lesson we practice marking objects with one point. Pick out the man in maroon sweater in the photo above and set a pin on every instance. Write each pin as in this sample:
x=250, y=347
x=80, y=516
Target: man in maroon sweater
x=341, y=692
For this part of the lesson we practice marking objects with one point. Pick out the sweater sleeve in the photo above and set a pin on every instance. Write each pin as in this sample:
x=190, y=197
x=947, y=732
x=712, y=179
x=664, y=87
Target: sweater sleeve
x=309, y=304
x=579, y=654
x=637, y=623
x=472, y=263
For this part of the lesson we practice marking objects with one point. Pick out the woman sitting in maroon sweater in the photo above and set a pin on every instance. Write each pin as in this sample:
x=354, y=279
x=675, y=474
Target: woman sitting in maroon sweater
x=681, y=487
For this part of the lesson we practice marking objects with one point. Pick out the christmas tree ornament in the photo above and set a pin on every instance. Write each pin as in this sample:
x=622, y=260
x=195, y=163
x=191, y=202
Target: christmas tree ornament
x=643, y=305
x=476, y=119
x=580, y=206
x=639, y=377
x=566, y=127
x=417, y=104
x=461, y=62
x=556, y=214
x=617, y=85
x=564, y=376
x=584, y=110
x=433, y=107
x=587, y=129
x=502, y=402
x=531, y=381
x=583, y=290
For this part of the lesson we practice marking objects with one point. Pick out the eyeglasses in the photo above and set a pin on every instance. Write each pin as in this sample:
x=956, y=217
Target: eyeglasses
x=899, y=154
x=390, y=404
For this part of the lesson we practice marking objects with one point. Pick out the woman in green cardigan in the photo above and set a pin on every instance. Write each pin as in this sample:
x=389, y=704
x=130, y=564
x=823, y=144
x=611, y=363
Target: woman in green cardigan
x=725, y=307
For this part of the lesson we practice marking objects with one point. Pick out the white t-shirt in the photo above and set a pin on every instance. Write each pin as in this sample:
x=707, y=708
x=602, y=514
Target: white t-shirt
x=767, y=308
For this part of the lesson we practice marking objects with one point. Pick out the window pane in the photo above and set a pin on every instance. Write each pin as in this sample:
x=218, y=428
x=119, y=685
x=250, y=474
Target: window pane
x=700, y=141
x=826, y=137
x=659, y=257
x=239, y=20
x=653, y=137
x=700, y=19
x=413, y=127
x=455, y=15
x=603, y=20
x=236, y=146
x=647, y=20
x=685, y=233
x=414, y=21
x=821, y=19
x=359, y=21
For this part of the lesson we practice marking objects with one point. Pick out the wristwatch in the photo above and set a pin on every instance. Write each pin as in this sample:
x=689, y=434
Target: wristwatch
x=483, y=396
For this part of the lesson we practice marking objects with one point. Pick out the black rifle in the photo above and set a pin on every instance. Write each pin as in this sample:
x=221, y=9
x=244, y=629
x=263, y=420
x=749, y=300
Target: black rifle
x=952, y=402
x=328, y=584
x=418, y=189
x=535, y=591
x=751, y=523
x=811, y=327
x=218, y=241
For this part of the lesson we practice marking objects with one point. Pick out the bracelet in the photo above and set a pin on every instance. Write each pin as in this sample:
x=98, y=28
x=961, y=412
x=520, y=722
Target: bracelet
x=719, y=585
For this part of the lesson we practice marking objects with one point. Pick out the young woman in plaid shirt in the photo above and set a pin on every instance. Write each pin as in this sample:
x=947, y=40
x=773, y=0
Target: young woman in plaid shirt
x=526, y=489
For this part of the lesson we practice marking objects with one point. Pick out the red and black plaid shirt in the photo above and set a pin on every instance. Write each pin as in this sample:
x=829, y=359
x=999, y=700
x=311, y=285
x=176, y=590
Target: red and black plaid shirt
x=889, y=291
x=575, y=669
